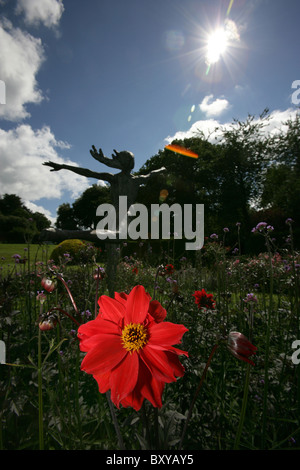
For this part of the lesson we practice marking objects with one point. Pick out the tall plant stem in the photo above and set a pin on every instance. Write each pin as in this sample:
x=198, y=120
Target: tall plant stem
x=78, y=414
x=267, y=351
x=196, y=394
x=40, y=391
x=115, y=422
x=243, y=410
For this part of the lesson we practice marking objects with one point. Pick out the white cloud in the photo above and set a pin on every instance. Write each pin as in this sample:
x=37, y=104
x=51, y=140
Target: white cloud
x=207, y=127
x=212, y=129
x=22, y=152
x=36, y=208
x=47, y=12
x=213, y=108
x=21, y=56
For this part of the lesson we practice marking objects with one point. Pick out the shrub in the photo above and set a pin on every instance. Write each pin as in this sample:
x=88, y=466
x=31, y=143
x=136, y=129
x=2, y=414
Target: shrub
x=74, y=251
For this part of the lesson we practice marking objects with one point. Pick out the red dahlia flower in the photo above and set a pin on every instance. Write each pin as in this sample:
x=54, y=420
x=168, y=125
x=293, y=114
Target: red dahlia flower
x=169, y=268
x=204, y=300
x=130, y=348
x=240, y=346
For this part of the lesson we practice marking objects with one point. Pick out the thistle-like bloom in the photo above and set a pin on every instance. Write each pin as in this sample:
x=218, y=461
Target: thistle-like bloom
x=204, y=300
x=130, y=348
x=41, y=297
x=99, y=274
x=241, y=347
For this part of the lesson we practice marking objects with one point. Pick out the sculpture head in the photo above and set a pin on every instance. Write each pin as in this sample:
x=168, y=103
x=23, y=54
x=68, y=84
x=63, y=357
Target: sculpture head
x=124, y=159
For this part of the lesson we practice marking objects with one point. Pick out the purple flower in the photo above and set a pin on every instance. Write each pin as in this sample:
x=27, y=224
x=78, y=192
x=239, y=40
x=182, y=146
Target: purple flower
x=260, y=226
x=214, y=236
x=289, y=221
x=86, y=313
x=250, y=298
x=226, y=229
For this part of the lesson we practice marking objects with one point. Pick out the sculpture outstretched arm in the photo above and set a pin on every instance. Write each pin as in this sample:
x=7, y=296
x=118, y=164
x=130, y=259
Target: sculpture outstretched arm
x=159, y=171
x=100, y=157
x=80, y=171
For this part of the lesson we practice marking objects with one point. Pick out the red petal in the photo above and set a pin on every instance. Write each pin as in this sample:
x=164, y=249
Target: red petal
x=177, y=366
x=134, y=400
x=149, y=387
x=107, y=354
x=123, y=378
x=166, y=334
x=158, y=364
x=121, y=297
x=111, y=309
x=103, y=381
x=137, y=305
x=157, y=311
x=95, y=331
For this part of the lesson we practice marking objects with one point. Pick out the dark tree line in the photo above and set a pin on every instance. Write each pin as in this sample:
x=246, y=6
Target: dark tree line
x=18, y=224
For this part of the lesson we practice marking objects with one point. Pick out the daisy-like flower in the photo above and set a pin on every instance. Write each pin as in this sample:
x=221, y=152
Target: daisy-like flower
x=241, y=347
x=130, y=348
x=204, y=300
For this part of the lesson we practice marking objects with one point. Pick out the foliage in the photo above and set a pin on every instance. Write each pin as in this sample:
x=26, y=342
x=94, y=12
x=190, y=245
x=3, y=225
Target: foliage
x=253, y=294
x=74, y=251
x=18, y=224
x=245, y=172
x=82, y=213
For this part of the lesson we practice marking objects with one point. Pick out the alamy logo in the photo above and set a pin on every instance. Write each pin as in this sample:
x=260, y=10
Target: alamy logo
x=137, y=223
x=2, y=92
x=295, y=95
x=2, y=353
x=295, y=358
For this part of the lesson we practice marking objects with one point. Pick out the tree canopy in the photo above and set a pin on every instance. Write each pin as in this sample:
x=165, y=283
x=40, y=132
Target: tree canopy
x=18, y=224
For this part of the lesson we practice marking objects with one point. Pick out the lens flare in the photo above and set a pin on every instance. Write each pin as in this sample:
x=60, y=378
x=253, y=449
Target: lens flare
x=229, y=7
x=164, y=193
x=181, y=150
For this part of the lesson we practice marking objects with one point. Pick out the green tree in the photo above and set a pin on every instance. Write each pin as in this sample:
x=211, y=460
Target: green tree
x=85, y=207
x=65, y=217
x=18, y=224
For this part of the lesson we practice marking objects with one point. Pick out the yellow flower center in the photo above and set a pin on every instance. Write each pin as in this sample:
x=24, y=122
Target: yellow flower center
x=134, y=337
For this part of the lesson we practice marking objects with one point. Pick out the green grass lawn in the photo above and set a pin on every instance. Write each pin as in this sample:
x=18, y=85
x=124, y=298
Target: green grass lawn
x=34, y=252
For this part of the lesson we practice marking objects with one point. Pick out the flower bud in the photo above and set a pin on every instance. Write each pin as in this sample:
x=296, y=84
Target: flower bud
x=48, y=284
x=240, y=346
x=46, y=325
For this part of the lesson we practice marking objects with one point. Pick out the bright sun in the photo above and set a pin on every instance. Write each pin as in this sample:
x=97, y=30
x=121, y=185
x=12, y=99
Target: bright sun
x=216, y=45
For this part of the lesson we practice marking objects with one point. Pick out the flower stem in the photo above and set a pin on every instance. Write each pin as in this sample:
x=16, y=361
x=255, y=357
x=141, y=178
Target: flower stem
x=267, y=350
x=243, y=410
x=70, y=294
x=155, y=281
x=196, y=394
x=115, y=422
x=40, y=392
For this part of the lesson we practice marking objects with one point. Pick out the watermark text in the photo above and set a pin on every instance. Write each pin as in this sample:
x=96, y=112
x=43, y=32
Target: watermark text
x=296, y=94
x=2, y=92
x=137, y=222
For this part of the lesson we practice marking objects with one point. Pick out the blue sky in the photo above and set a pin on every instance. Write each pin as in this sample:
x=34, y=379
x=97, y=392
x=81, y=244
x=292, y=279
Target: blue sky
x=131, y=75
